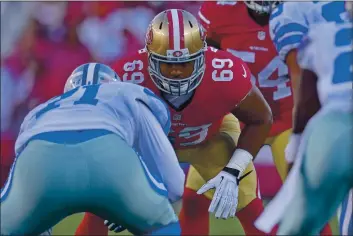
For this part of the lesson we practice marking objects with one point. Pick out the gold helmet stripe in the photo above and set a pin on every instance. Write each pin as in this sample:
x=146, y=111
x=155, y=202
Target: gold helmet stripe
x=176, y=29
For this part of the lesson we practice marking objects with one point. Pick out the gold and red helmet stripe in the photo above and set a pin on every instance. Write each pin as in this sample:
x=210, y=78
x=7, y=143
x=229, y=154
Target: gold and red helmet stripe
x=176, y=29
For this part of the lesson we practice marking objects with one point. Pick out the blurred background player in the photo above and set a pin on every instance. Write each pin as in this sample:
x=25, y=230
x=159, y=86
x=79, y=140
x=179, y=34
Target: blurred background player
x=92, y=131
x=289, y=22
x=247, y=36
x=323, y=109
x=202, y=86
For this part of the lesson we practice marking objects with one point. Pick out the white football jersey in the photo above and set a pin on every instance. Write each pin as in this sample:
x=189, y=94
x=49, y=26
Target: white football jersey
x=290, y=21
x=128, y=110
x=106, y=106
x=327, y=51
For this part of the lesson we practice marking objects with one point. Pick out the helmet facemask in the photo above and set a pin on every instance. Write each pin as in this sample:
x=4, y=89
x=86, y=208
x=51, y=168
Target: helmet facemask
x=177, y=87
x=262, y=7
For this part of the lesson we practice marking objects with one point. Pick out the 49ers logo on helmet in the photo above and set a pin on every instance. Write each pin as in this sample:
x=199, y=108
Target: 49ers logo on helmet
x=149, y=35
x=177, y=54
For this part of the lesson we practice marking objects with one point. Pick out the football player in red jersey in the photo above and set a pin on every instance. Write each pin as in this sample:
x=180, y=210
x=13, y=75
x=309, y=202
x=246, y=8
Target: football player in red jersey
x=247, y=36
x=242, y=28
x=205, y=89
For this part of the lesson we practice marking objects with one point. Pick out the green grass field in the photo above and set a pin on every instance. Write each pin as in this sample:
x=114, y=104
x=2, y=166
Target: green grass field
x=222, y=227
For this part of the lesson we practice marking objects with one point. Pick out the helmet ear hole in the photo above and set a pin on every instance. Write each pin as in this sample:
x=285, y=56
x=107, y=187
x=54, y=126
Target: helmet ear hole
x=191, y=26
x=160, y=26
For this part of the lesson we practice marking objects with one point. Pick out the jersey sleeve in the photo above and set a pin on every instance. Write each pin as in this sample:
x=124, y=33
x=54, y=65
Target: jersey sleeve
x=288, y=25
x=205, y=16
x=211, y=16
x=234, y=70
x=309, y=48
x=132, y=68
x=305, y=53
x=242, y=85
x=159, y=109
x=159, y=156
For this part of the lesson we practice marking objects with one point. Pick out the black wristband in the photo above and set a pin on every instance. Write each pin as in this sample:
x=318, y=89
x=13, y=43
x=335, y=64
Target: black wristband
x=232, y=171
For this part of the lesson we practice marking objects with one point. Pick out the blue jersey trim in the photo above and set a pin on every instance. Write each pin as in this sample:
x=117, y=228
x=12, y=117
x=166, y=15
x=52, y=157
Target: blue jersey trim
x=289, y=28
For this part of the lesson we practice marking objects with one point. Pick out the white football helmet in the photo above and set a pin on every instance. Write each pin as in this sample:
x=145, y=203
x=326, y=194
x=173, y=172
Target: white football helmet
x=90, y=73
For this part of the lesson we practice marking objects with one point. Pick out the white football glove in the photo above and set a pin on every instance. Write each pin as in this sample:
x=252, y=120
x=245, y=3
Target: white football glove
x=225, y=199
x=114, y=227
x=226, y=184
x=292, y=148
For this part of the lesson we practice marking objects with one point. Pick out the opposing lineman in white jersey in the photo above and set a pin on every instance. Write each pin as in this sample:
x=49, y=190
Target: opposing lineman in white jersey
x=327, y=51
x=290, y=21
x=323, y=172
x=100, y=148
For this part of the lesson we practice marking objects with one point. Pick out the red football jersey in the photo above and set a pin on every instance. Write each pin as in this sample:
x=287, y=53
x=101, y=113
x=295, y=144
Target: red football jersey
x=225, y=83
x=230, y=25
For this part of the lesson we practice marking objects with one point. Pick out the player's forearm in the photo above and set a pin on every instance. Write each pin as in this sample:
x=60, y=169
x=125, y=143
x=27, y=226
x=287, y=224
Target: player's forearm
x=250, y=141
x=172, y=174
x=154, y=146
x=253, y=136
x=257, y=116
x=294, y=73
x=308, y=102
x=166, y=161
x=295, y=81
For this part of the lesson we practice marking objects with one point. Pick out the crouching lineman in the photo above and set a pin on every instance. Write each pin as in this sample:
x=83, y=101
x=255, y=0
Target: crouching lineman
x=205, y=89
x=323, y=172
x=100, y=148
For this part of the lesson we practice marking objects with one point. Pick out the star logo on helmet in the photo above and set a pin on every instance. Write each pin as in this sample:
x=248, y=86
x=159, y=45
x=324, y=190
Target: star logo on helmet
x=149, y=35
x=177, y=54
